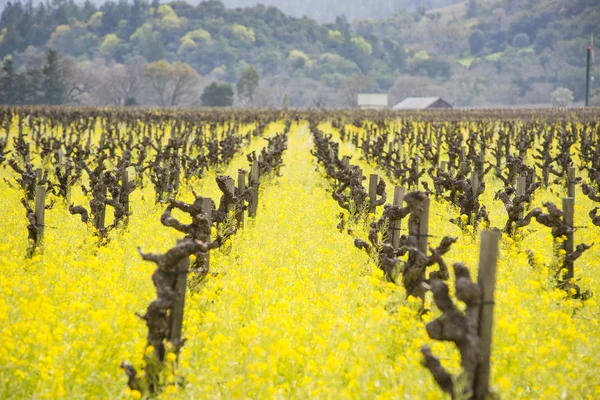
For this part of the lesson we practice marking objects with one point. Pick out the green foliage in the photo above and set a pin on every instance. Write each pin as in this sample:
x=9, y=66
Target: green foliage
x=545, y=39
x=148, y=43
x=480, y=35
x=472, y=8
x=217, y=95
x=520, y=40
x=476, y=42
x=110, y=45
x=54, y=87
x=248, y=83
x=298, y=59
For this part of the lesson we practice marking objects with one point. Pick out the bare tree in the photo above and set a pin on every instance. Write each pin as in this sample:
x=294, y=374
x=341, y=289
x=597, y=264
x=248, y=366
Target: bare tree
x=121, y=84
x=352, y=86
x=173, y=84
x=80, y=79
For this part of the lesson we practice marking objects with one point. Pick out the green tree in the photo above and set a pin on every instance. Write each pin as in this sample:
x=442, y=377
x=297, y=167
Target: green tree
x=472, y=9
x=545, y=39
x=147, y=41
x=54, y=87
x=248, y=83
x=521, y=40
x=217, y=95
x=476, y=42
x=9, y=93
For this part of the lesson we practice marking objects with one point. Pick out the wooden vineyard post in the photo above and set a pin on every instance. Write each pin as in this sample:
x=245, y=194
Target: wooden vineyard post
x=61, y=159
x=254, y=176
x=399, y=154
x=444, y=166
x=373, y=178
x=416, y=172
x=398, y=200
x=230, y=183
x=101, y=219
x=40, y=205
x=521, y=183
x=207, y=210
x=487, y=281
x=125, y=195
x=474, y=182
x=424, y=227
x=346, y=161
x=568, y=217
x=165, y=183
x=241, y=188
x=176, y=316
x=176, y=173
x=571, y=182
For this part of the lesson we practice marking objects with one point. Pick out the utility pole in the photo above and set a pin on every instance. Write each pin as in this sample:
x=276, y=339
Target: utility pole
x=589, y=51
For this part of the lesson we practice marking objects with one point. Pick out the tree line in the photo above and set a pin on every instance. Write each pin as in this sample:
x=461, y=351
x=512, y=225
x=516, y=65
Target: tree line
x=57, y=80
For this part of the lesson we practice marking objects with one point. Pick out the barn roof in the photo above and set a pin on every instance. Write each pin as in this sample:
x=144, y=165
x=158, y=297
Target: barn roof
x=416, y=103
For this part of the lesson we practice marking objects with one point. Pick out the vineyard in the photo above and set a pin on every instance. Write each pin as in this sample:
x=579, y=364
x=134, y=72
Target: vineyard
x=288, y=254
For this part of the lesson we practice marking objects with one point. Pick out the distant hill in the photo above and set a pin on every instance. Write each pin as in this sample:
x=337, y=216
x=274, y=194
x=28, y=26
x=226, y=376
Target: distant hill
x=472, y=53
x=328, y=10
x=320, y=10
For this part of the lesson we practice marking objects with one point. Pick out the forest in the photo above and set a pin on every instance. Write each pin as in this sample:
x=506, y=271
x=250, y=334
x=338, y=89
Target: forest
x=475, y=53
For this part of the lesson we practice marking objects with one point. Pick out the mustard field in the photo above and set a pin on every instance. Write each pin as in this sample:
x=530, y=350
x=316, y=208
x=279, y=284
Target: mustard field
x=290, y=309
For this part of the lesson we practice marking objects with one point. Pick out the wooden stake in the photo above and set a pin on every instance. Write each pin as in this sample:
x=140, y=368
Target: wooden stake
x=101, y=220
x=230, y=183
x=571, y=182
x=568, y=217
x=416, y=172
x=125, y=195
x=444, y=166
x=176, y=316
x=521, y=184
x=241, y=189
x=373, y=179
x=424, y=227
x=398, y=200
x=40, y=207
x=488, y=255
x=346, y=161
x=177, y=172
x=254, y=173
x=474, y=183
x=207, y=210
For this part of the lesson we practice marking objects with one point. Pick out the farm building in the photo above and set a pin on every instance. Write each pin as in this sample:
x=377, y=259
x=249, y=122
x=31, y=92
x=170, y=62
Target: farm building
x=421, y=103
x=372, y=101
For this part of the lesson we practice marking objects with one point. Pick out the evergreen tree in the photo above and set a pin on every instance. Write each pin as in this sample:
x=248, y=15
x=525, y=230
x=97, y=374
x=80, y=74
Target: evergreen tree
x=248, y=83
x=54, y=88
x=217, y=95
x=472, y=9
x=8, y=83
x=32, y=86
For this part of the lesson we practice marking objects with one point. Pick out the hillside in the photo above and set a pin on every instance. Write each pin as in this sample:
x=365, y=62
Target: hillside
x=475, y=53
x=323, y=11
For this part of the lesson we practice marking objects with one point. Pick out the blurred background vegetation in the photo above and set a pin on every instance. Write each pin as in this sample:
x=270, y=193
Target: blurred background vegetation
x=304, y=54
